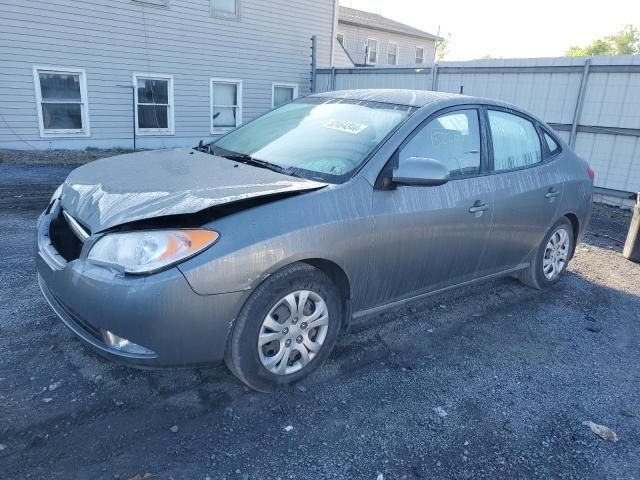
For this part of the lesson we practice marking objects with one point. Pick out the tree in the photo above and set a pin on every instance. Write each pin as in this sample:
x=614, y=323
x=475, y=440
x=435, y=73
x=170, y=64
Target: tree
x=441, y=47
x=625, y=42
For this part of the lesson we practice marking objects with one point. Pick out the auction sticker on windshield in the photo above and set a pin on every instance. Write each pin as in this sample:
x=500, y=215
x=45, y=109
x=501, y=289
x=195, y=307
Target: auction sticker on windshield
x=344, y=126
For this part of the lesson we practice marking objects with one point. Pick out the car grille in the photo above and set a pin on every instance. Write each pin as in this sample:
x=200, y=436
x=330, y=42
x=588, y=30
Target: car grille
x=63, y=239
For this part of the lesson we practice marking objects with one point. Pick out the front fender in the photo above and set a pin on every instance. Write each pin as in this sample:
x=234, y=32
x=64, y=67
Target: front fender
x=331, y=224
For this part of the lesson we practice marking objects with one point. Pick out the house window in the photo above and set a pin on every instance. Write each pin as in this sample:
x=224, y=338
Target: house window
x=340, y=38
x=283, y=93
x=392, y=54
x=61, y=96
x=154, y=104
x=372, y=51
x=225, y=8
x=226, y=104
x=419, y=54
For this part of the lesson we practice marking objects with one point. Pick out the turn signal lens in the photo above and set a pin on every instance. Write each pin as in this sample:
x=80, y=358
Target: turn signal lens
x=150, y=251
x=592, y=174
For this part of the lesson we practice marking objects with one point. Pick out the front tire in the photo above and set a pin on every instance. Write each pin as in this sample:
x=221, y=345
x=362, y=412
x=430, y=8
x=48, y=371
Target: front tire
x=286, y=329
x=552, y=257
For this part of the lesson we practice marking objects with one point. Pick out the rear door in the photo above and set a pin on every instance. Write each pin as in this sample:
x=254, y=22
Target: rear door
x=528, y=188
x=431, y=237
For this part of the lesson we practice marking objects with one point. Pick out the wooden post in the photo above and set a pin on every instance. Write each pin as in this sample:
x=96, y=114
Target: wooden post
x=632, y=246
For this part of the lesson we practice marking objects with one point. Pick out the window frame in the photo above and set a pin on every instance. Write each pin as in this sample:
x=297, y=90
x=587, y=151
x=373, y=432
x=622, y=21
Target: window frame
x=423, y=55
x=548, y=154
x=224, y=15
x=385, y=172
x=274, y=85
x=222, y=130
x=85, y=131
x=543, y=152
x=344, y=38
x=369, y=62
x=389, y=43
x=170, y=130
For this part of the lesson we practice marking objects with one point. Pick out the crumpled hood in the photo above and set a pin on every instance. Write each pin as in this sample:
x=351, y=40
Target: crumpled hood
x=141, y=185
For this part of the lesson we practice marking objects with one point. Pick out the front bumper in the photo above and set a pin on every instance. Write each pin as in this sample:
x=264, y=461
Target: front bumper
x=160, y=312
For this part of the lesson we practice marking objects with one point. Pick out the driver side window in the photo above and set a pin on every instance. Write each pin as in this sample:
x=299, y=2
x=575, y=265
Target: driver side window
x=452, y=138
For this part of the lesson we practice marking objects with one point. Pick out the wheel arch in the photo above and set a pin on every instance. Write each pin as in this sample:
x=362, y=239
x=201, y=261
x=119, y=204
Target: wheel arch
x=336, y=273
x=575, y=224
x=340, y=279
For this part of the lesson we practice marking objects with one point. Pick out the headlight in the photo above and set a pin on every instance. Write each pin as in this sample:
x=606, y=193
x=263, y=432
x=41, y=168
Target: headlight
x=150, y=251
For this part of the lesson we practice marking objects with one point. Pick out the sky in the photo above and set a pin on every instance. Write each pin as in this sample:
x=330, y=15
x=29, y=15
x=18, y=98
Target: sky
x=509, y=29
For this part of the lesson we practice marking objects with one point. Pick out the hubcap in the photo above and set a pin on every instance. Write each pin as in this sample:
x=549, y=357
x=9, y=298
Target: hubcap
x=293, y=332
x=556, y=254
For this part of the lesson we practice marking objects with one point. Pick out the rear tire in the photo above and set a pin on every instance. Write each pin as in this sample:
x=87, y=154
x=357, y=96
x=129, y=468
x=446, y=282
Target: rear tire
x=551, y=258
x=286, y=328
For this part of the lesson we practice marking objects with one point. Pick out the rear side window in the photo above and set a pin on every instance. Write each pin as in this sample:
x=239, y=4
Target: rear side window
x=551, y=143
x=452, y=138
x=516, y=143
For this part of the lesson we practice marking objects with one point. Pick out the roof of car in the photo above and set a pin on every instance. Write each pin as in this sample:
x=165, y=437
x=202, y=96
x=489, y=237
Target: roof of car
x=414, y=98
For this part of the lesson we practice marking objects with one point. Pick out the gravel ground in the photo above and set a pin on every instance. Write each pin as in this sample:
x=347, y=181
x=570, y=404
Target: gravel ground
x=58, y=157
x=493, y=381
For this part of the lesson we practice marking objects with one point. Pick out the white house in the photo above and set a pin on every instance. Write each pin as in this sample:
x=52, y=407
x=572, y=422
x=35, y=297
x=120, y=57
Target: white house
x=76, y=74
x=368, y=39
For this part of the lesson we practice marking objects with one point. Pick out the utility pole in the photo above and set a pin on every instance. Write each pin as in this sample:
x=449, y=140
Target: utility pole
x=435, y=48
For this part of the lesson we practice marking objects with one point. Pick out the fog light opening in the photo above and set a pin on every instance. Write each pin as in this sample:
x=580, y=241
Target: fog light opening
x=124, y=345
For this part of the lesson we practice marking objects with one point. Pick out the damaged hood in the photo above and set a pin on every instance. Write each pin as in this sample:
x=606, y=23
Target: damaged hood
x=142, y=185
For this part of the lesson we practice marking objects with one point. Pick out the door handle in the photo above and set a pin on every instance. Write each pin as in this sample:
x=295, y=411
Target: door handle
x=479, y=208
x=552, y=193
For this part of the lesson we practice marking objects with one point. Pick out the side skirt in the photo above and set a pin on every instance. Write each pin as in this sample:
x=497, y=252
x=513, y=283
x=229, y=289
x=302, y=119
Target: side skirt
x=416, y=298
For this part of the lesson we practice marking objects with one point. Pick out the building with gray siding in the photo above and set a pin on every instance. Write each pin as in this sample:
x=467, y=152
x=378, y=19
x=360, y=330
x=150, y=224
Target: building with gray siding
x=369, y=39
x=77, y=74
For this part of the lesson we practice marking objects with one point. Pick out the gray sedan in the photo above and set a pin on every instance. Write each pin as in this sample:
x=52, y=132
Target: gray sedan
x=261, y=247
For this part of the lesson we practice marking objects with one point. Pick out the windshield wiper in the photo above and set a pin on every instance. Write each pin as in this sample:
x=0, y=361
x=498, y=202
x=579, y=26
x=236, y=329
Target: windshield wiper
x=249, y=160
x=203, y=147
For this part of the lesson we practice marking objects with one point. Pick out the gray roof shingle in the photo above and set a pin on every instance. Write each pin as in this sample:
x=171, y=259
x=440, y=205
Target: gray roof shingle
x=378, y=22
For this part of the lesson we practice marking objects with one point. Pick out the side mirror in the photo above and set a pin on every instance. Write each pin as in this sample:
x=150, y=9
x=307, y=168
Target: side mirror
x=417, y=171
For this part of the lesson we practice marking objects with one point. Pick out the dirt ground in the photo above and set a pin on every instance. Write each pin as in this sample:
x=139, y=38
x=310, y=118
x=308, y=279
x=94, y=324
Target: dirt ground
x=493, y=381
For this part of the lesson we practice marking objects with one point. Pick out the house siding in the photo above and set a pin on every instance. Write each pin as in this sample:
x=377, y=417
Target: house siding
x=113, y=39
x=356, y=40
x=340, y=57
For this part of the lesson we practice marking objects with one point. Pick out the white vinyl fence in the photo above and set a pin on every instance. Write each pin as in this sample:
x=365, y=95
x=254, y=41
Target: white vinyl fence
x=594, y=104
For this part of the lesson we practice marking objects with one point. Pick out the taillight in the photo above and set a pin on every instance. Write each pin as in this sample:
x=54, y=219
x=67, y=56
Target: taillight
x=591, y=173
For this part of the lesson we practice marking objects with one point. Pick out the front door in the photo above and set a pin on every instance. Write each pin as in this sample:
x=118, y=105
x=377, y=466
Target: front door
x=427, y=238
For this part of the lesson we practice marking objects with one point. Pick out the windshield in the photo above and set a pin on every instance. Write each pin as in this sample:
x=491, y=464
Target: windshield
x=317, y=138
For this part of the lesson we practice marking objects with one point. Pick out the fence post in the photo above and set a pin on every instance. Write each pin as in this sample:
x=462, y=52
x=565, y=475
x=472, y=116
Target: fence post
x=434, y=77
x=579, y=102
x=632, y=245
x=333, y=78
x=314, y=48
